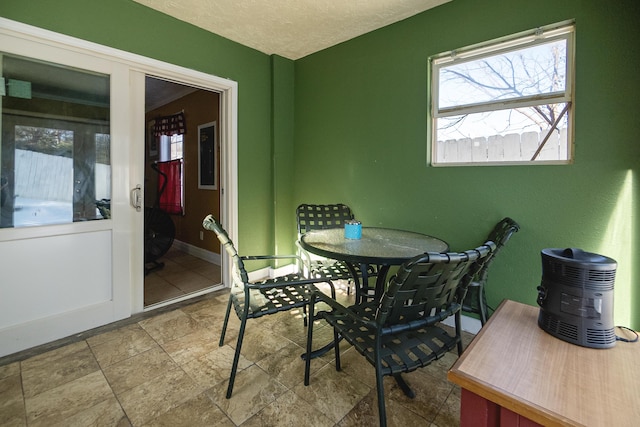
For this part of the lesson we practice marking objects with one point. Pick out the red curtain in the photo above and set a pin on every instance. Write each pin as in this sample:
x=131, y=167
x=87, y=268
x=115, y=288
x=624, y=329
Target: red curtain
x=171, y=196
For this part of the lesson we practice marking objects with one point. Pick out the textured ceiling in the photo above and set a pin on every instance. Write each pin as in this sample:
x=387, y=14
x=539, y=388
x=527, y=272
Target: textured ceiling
x=291, y=28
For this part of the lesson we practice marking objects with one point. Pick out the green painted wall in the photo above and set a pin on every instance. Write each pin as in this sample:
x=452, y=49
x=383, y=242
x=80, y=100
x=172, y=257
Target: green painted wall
x=283, y=151
x=129, y=26
x=361, y=139
x=349, y=124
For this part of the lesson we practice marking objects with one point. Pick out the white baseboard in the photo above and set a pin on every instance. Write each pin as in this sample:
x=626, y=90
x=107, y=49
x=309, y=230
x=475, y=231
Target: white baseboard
x=468, y=324
x=272, y=272
x=197, y=252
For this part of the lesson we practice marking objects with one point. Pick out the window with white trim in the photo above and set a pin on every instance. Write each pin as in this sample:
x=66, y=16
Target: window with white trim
x=171, y=147
x=505, y=102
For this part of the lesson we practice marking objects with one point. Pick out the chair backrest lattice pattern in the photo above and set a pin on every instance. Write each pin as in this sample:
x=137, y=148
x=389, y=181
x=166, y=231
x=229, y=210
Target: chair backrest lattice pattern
x=317, y=217
x=426, y=289
x=475, y=299
x=500, y=234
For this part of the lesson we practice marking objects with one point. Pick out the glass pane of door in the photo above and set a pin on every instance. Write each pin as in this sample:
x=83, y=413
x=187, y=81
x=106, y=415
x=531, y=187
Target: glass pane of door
x=55, y=152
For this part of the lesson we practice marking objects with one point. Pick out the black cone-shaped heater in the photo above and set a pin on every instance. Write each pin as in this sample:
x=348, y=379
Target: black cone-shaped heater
x=576, y=297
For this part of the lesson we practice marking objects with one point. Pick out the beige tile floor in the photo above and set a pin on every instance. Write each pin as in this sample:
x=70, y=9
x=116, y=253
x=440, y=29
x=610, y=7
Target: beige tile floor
x=181, y=275
x=168, y=370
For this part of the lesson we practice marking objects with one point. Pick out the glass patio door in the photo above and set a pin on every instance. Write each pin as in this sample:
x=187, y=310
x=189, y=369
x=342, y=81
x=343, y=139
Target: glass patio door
x=66, y=221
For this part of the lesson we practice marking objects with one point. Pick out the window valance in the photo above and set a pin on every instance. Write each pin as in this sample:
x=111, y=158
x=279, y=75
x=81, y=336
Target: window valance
x=170, y=125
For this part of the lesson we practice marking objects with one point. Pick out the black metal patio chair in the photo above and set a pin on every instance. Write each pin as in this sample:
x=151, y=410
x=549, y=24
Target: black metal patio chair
x=475, y=300
x=252, y=300
x=322, y=216
x=400, y=333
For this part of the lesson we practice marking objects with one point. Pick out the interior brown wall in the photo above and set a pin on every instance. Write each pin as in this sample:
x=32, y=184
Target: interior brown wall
x=199, y=107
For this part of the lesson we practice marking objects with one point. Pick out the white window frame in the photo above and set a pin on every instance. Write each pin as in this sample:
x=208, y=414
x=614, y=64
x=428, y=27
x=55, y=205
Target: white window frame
x=168, y=152
x=167, y=144
x=559, y=31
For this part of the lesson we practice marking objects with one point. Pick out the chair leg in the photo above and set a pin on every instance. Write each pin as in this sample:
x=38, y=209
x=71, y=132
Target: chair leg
x=382, y=412
x=236, y=356
x=482, y=305
x=336, y=336
x=305, y=316
x=333, y=289
x=224, y=324
x=458, y=324
x=336, y=341
x=307, y=358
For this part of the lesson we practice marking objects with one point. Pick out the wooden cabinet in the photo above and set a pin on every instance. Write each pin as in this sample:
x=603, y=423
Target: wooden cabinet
x=516, y=374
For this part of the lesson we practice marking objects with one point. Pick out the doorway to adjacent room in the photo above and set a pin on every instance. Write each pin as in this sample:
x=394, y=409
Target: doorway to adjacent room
x=181, y=186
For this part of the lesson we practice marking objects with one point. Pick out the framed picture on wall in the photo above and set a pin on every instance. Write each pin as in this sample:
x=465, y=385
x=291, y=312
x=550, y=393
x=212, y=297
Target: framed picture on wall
x=207, y=152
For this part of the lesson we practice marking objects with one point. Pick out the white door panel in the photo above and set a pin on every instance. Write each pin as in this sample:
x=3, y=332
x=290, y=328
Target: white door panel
x=46, y=282
x=68, y=272
x=57, y=277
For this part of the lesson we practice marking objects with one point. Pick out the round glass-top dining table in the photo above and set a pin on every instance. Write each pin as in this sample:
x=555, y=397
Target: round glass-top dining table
x=382, y=247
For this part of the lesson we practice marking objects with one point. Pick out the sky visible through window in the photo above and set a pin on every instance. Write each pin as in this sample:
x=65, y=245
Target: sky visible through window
x=526, y=72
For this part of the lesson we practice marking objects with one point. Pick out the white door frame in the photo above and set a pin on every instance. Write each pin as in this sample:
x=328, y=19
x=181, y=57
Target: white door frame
x=127, y=171
x=228, y=91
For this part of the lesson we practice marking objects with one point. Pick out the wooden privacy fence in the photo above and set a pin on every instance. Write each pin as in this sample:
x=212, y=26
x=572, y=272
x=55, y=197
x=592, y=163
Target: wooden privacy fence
x=503, y=148
x=46, y=177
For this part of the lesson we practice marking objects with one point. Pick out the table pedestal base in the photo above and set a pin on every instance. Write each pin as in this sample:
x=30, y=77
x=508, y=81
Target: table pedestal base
x=363, y=292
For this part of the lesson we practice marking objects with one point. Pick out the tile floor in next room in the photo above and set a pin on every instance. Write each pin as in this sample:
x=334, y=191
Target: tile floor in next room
x=166, y=369
x=181, y=274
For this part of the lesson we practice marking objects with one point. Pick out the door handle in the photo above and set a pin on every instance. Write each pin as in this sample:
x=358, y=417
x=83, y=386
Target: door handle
x=136, y=198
